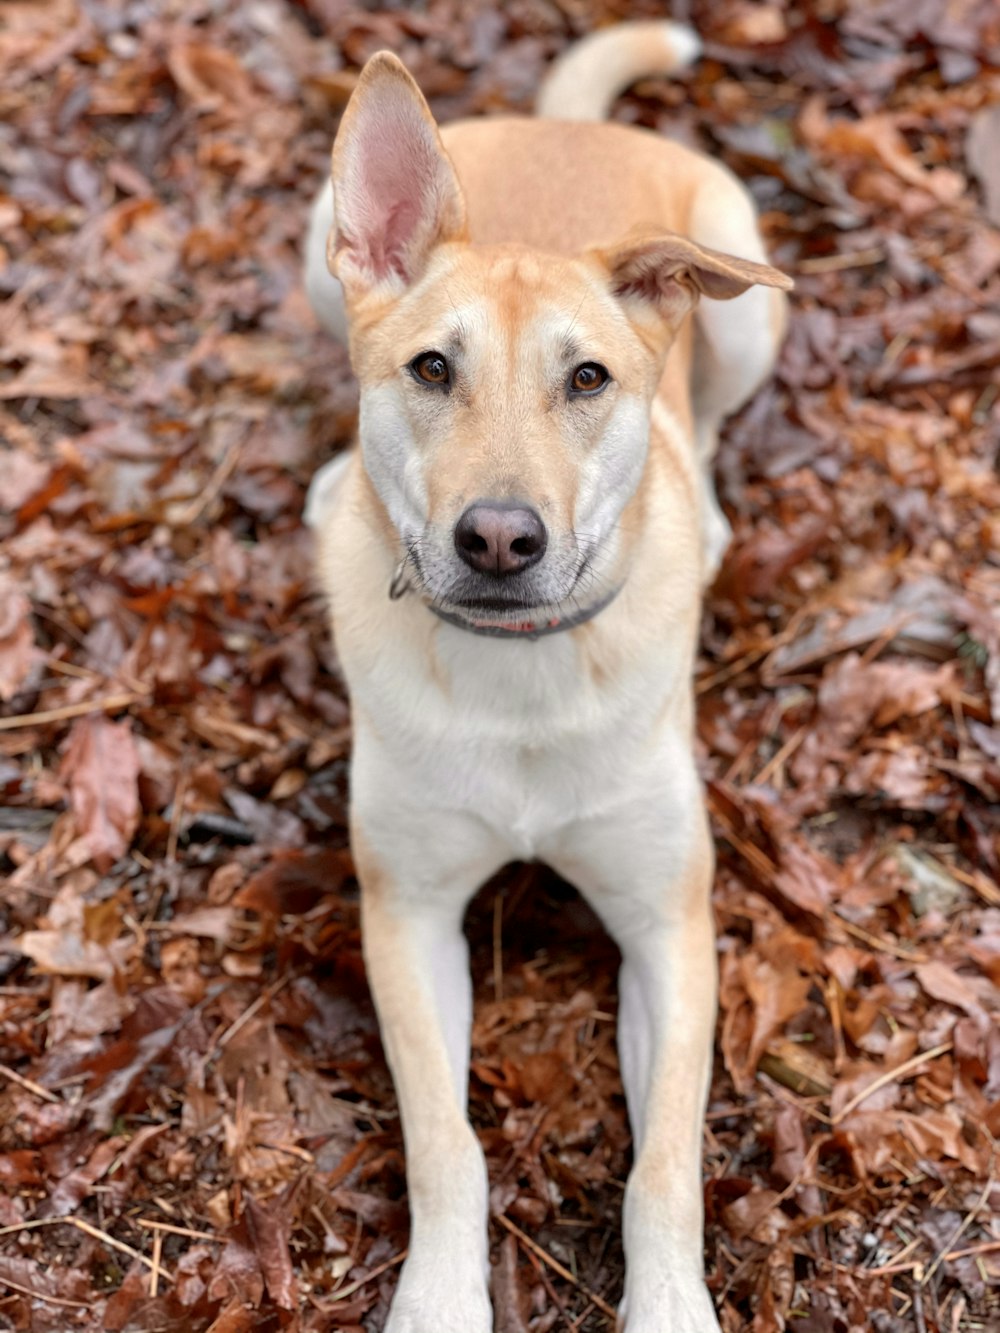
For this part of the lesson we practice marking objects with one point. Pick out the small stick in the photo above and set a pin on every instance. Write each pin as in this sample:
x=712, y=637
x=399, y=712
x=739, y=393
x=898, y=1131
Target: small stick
x=154, y=1277
x=49, y=1300
x=111, y=703
x=556, y=1267
x=890, y=1076
x=252, y=1009
x=89, y=1230
x=959, y=1231
x=984, y=1247
x=918, y=1308
x=178, y=1231
x=877, y=942
x=554, y=1296
x=352, y=1287
x=28, y=1084
x=110, y=1240
x=777, y=760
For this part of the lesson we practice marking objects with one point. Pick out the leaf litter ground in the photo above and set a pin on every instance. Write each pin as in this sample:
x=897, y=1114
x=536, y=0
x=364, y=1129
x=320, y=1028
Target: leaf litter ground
x=197, y=1129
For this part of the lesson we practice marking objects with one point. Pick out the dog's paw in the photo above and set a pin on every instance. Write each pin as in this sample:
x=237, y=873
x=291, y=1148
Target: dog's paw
x=670, y=1308
x=427, y=1301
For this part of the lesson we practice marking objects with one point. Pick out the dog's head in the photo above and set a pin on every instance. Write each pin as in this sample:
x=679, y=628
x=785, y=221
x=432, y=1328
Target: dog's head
x=505, y=392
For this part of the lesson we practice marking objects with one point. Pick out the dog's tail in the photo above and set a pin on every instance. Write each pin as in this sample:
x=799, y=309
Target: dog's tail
x=584, y=82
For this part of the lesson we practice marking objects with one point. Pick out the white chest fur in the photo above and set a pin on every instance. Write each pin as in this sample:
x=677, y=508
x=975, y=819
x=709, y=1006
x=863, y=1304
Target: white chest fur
x=523, y=734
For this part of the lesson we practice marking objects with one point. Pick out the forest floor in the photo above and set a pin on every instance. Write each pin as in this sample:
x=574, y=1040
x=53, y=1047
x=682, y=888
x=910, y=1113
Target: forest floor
x=197, y=1127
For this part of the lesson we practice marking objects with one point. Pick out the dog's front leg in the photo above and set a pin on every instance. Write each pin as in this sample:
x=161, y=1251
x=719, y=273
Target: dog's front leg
x=647, y=871
x=417, y=872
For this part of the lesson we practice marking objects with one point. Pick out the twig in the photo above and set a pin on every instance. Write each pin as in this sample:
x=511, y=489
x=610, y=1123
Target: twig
x=959, y=1231
x=178, y=1231
x=978, y=882
x=352, y=1287
x=557, y=1267
x=895, y=1264
x=89, y=1230
x=154, y=1277
x=110, y=1240
x=834, y=263
x=28, y=1084
x=252, y=1009
x=890, y=1076
x=111, y=703
x=879, y=942
x=49, y=1300
x=920, y=1323
x=227, y=464
x=554, y=1296
x=777, y=760
x=984, y=1247
x=71, y=669
x=30, y=1226
x=177, y=815
x=705, y=683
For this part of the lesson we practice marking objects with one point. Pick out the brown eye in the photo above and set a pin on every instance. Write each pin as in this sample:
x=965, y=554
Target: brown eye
x=588, y=378
x=431, y=368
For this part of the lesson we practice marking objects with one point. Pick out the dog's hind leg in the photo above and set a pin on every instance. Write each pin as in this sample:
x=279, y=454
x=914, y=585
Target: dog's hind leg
x=736, y=342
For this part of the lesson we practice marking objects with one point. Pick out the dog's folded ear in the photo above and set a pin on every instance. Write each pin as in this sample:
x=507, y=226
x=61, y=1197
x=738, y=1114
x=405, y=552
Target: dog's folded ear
x=396, y=192
x=670, y=273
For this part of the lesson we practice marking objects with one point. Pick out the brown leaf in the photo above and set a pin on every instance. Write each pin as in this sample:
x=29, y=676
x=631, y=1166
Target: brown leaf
x=510, y=1299
x=21, y=475
x=101, y=766
x=269, y=1227
x=236, y=1317
x=756, y=1214
x=211, y=76
x=944, y=983
x=981, y=140
x=238, y=1275
x=777, y=996
x=66, y=948
x=18, y=653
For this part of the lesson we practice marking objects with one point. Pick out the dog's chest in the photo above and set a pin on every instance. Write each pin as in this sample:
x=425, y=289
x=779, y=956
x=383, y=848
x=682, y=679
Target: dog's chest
x=521, y=734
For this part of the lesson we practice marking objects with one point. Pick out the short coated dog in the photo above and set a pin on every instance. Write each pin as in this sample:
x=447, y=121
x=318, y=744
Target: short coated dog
x=549, y=319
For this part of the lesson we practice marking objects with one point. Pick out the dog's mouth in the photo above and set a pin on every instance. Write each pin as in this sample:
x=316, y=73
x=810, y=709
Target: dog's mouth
x=492, y=606
x=515, y=599
x=518, y=608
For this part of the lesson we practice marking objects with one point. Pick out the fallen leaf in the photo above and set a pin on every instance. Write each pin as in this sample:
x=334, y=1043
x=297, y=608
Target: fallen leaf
x=18, y=654
x=981, y=140
x=101, y=765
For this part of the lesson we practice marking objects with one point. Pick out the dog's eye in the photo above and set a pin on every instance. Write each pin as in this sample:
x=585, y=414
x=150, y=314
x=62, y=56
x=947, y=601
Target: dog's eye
x=431, y=368
x=591, y=377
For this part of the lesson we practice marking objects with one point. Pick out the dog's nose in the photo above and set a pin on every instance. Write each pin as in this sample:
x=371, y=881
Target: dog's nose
x=500, y=538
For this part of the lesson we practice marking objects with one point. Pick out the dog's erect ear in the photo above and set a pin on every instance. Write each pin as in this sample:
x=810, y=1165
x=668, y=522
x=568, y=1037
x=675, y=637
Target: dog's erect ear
x=670, y=273
x=395, y=189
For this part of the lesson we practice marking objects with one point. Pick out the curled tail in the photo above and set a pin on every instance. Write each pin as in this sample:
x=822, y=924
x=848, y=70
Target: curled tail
x=583, y=83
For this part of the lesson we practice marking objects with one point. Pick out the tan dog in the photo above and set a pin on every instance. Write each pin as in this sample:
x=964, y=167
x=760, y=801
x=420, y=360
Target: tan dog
x=514, y=559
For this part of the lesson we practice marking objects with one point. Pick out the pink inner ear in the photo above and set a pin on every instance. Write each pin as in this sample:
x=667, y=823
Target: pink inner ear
x=389, y=201
x=644, y=279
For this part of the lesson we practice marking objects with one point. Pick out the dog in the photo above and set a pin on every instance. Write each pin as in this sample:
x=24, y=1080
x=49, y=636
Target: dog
x=549, y=319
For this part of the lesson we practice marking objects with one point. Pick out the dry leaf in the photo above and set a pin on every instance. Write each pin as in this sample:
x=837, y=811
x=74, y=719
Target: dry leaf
x=101, y=765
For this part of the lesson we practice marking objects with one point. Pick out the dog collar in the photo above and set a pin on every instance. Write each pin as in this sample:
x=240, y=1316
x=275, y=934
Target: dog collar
x=526, y=629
